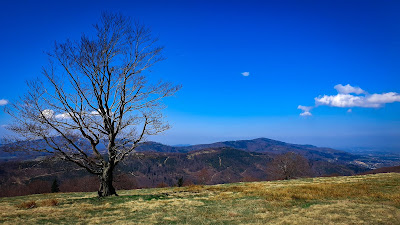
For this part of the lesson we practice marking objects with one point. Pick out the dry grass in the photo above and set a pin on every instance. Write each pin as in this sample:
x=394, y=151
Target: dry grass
x=327, y=191
x=370, y=199
x=27, y=205
x=195, y=188
x=49, y=202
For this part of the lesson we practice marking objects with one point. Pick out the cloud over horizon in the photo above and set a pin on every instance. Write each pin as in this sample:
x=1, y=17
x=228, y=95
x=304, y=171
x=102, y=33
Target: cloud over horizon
x=63, y=116
x=306, y=110
x=3, y=102
x=48, y=114
x=350, y=97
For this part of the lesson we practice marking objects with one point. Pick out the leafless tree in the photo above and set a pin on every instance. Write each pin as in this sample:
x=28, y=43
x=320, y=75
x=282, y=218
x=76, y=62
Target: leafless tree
x=95, y=105
x=288, y=166
x=204, y=176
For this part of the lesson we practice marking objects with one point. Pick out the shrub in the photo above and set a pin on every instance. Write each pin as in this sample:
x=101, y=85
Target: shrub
x=187, y=182
x=180, y=182
x=38, y=187
x=55, y=187
x=27, y=205
x=195, y=188
x=49, y=202
x=162, y=185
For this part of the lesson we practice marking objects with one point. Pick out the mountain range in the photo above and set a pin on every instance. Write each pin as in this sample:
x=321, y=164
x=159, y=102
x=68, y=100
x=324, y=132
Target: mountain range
x=259, y=145
x=154, y=164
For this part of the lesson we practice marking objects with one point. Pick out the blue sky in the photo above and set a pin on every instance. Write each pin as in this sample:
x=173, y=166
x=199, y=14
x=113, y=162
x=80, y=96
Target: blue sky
x=294, y=52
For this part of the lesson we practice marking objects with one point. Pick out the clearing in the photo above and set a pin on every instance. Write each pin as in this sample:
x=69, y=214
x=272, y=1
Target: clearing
x=367, y=199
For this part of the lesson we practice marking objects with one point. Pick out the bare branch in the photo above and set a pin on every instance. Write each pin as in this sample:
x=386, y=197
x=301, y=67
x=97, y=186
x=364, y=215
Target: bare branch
x=95, y=93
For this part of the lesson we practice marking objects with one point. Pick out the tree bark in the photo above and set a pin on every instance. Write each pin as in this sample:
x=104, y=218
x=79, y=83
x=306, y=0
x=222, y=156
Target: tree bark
x=106, y=182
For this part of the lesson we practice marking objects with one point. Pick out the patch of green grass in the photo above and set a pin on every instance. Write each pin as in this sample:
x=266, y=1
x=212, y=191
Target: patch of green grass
x=307, y=204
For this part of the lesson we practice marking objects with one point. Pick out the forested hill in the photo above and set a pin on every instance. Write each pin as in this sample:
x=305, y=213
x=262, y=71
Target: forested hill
x=158, y=169
x=260, y=145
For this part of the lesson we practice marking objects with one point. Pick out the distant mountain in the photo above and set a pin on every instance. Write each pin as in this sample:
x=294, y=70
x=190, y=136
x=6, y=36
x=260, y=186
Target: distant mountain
x=151, y=146
x=181, y=145
x=7, y=152
x=154, y=164
x=259, y=145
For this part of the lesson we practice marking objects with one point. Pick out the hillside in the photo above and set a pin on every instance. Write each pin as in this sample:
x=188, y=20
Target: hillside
x=153, y=169
x=260, y=145
x=368, y=199
x=391, y=169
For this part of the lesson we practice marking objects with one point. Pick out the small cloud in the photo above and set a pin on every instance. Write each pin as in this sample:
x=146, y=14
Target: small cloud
x=349, y=110
x=305, y=114
x=348, y=89
x=68, y=115
x=3, y=102
x=95, y=113
x=306, y=110
x=47, y=113
x=63, y=116
x=246, y=74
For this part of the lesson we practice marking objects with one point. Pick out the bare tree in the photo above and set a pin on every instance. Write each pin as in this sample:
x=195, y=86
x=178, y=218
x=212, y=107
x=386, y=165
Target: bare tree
x=288, y=166
x=95, y=106
x=203, y=176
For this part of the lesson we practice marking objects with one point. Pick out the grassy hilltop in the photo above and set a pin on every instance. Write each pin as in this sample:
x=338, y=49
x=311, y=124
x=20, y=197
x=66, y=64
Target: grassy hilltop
x=368, y=199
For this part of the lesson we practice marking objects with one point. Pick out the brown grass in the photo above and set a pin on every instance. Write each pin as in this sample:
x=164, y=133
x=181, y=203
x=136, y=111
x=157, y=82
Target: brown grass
x=316, y=191
x=49, y=202
x=194, y=188
x=360, y=189
x=27, y=205
x=370, y=199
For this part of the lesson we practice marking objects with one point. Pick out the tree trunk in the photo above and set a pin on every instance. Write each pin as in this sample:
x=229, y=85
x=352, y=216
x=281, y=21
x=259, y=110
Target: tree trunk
x=106, y=180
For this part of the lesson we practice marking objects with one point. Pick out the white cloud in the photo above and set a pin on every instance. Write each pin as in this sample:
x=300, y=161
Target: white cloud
x=3, y=102
x=68, y=115
x=384, y=98
x=341, y=100
x=350, y=97
x=367, y=101
x=349, y=110
x=47, y=113
x=305, y=114
x=246, y=74
x=306, y=110
x=94, y=113
x=348, y=89
x=63, y=116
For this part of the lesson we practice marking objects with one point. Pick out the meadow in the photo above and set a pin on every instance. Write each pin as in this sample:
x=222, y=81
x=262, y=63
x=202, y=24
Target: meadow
x=366, y=199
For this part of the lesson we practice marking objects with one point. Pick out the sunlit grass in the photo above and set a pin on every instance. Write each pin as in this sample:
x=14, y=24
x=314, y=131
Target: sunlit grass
x=370, y=199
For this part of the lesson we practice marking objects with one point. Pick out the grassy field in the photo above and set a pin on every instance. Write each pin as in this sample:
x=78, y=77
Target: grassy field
x=369, y=199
